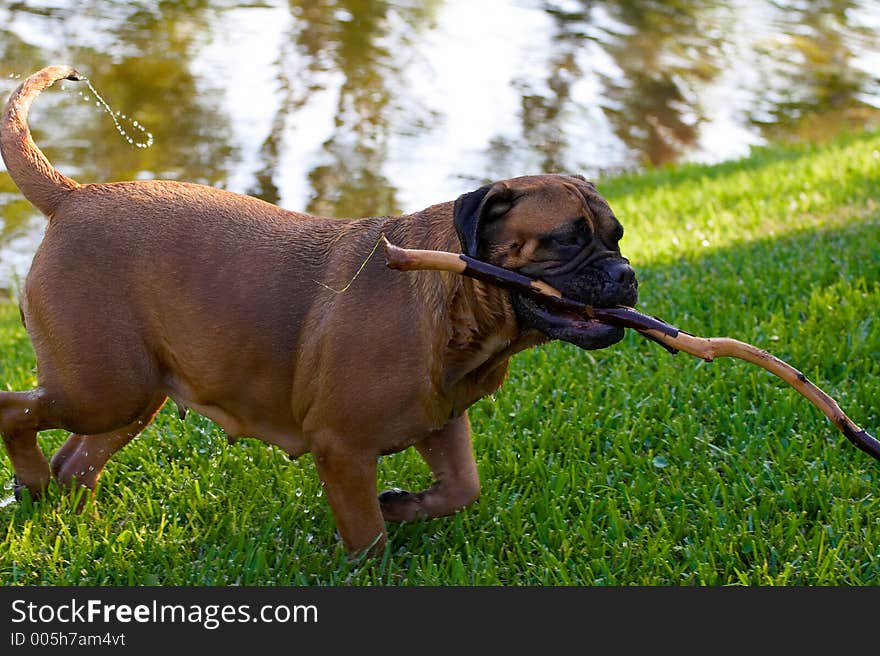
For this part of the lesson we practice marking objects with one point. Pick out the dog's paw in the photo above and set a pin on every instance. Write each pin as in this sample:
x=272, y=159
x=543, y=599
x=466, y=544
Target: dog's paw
x=401, y=506
x=22, y=491
x=17, y=488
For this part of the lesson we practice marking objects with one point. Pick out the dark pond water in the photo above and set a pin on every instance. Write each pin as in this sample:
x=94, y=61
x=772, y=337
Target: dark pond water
x=360, y=107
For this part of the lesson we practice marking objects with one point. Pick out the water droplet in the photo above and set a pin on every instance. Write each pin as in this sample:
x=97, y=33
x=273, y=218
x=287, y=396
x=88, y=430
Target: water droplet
x=27, y=410
x=91, y=468
x=298, y=492
x=100, y=102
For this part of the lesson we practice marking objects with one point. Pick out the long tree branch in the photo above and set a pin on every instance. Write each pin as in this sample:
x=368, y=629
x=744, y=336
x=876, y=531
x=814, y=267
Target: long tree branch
x=707, y=348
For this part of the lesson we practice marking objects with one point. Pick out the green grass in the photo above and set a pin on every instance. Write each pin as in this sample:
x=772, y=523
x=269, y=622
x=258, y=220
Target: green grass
x=622, y=466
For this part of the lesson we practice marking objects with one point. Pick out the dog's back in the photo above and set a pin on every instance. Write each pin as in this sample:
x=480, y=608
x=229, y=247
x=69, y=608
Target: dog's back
x=145, y=278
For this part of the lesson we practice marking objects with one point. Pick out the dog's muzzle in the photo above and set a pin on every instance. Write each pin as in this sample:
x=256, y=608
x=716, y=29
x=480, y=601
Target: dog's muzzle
x=607, y=283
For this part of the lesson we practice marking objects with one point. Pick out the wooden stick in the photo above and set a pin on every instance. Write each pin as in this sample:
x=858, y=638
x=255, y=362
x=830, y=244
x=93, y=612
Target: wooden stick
x=409, y=259
x=707, y=348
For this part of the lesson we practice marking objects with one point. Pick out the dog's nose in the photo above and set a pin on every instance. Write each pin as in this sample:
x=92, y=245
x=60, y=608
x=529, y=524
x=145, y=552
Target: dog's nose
x=620, y=272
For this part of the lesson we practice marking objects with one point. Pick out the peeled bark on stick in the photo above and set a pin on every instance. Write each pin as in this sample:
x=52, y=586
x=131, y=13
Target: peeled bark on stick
x=707, y=348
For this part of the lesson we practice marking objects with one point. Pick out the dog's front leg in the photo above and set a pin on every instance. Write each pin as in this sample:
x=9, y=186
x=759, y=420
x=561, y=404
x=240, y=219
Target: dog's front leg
x=450, y=456
x=349, y=479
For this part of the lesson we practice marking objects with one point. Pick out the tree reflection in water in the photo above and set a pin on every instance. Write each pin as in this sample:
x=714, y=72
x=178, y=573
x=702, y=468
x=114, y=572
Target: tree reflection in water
x=347, y=128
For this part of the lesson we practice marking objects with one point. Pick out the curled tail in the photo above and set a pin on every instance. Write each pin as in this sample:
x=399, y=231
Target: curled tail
x=37, y=179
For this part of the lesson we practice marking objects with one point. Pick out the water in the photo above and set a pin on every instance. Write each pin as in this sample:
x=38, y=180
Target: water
x=368, y=107
x=116, y=117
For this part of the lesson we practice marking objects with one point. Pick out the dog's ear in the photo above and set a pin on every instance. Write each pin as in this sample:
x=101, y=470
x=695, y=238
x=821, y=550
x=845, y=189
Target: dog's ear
x=474, y=210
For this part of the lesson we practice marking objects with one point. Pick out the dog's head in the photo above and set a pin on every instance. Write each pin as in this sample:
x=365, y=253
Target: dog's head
x=556, y=228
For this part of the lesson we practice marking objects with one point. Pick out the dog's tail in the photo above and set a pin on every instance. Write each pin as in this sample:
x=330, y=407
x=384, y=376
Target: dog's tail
x=38, y=180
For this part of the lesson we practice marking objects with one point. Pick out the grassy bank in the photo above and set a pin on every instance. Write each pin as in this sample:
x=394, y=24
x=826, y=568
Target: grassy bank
x=612, y=467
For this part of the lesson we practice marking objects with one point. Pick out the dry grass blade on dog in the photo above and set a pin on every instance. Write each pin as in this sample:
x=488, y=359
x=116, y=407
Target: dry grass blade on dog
x=147, y=290
x=668, y=336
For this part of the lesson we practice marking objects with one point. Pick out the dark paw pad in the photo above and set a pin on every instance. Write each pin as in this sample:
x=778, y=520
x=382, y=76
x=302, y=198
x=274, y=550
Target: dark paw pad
x=401, y=506
x=394, y=495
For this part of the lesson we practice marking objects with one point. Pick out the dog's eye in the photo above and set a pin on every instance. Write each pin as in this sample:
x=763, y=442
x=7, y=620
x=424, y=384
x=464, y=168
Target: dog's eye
x=567, y=239
x=574, y=234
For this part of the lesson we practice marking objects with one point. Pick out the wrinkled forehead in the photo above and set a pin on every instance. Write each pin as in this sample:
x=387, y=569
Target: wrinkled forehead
x=602, y=216
x=551, y=200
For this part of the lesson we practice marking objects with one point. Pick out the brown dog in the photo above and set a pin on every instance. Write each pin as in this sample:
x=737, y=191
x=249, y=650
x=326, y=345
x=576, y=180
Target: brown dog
x=142, y=291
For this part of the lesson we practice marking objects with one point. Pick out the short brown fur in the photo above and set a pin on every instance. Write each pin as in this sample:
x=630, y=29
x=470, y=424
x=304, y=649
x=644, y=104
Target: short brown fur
x=146, y=290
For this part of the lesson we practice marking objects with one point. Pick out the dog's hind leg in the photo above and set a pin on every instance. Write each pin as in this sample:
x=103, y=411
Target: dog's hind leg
x=21, y=416
x=81, y=459
x=450, y=456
